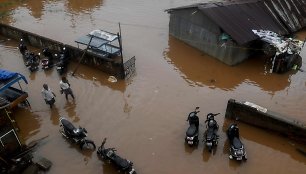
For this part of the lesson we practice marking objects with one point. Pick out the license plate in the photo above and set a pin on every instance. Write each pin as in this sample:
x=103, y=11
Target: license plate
x=239, y=158
x=190, y=142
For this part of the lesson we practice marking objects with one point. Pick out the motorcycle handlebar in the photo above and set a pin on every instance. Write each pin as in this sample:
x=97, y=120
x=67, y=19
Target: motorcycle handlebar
x=211, y=115
x=113, y=149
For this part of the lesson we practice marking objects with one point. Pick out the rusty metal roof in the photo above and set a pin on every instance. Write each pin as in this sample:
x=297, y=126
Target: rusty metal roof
x=238, y=18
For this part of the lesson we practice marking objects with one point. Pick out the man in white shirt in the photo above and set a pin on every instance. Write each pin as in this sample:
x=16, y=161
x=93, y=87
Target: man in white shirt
x=65, y=88
x=48, y=95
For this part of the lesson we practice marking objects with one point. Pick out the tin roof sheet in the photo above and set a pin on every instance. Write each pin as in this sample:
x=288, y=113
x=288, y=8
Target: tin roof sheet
x=238, y=18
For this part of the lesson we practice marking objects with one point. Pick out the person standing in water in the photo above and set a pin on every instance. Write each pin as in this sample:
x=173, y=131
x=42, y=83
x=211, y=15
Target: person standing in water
x=48, y=95
x=65, y=88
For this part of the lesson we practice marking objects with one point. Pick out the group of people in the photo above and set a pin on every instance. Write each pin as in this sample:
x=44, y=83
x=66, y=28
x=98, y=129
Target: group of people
x=49, y=95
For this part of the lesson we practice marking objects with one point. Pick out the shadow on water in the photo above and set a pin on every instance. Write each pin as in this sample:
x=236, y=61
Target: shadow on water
x=87, y=153
x=108, y=168
x=199, y=69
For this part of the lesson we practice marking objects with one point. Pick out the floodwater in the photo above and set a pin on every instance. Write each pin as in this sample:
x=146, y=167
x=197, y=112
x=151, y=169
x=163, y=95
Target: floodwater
x=144, y=117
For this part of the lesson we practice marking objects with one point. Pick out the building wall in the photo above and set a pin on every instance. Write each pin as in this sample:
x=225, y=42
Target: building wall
x=193, y=27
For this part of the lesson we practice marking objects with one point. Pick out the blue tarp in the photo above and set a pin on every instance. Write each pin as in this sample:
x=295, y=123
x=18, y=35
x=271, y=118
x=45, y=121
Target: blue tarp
x=8, y=78
x=5, y=74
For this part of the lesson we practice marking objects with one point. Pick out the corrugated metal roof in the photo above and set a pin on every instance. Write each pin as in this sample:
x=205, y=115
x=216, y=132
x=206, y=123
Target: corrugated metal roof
x=239, y=18
x=291, y=13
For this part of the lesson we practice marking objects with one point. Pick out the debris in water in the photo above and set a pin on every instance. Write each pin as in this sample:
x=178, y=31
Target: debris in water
x=112, y=79
x=212, y=80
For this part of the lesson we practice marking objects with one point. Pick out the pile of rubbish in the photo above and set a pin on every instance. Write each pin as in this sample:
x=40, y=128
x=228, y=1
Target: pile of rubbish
x=286, y=51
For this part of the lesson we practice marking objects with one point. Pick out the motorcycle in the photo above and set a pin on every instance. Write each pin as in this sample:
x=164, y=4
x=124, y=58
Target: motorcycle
x=237, y=150
x=47, y=62
x=76, y=135
x=192, y=133
x=31, y=60
x=210, y=135
x=63, y=61
x=22, y=47
x=109, y=154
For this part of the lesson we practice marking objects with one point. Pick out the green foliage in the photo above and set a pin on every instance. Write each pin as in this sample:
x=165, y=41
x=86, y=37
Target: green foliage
x=6, y=4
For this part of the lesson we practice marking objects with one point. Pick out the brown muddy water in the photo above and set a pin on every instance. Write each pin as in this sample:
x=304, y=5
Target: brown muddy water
x=144, y=118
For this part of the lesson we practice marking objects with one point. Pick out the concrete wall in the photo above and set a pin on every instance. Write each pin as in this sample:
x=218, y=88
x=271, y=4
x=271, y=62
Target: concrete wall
x=196, y=29
x=112, y=66
x=263, y=118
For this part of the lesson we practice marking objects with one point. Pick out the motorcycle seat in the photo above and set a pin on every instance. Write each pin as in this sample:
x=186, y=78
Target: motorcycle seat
x=191, y=131
x=237, y=143
x=210, y=134
x=212, y=123
x=123, y=163
x=68, y=126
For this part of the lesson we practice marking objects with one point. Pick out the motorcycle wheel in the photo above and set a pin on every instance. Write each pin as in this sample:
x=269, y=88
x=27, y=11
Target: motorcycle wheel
x=88, y=144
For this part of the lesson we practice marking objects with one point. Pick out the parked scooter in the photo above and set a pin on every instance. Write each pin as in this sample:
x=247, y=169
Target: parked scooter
x=47, y=62
x=210, y=135
x=31, y=60
x=76, y=135
x=63, y=61
x=22, y=47
x=192, y=133
x=109, y=154
x=237, y=150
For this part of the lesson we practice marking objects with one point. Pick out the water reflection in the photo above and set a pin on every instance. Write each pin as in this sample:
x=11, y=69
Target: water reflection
x=199, y=69
x=190, y=149
x=70, y=107
x=54, y=116
x=35, y=7
x=78, y=6
x=48, y=72
x=27, y=130
x=97, y=78
x=32, y=76
x=207, y=154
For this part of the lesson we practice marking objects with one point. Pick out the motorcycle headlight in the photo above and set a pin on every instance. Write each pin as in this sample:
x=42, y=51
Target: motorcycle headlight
x=209, y=143
x=190, y=138
x=239, y=152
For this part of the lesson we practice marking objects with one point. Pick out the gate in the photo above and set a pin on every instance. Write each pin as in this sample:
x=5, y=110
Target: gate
x=9, y=142
x=129, y=67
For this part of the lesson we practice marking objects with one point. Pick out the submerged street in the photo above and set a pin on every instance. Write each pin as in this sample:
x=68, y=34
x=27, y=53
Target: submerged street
x=144, y=117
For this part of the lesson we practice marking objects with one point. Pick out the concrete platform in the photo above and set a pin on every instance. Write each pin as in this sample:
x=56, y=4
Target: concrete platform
x=259, y=116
